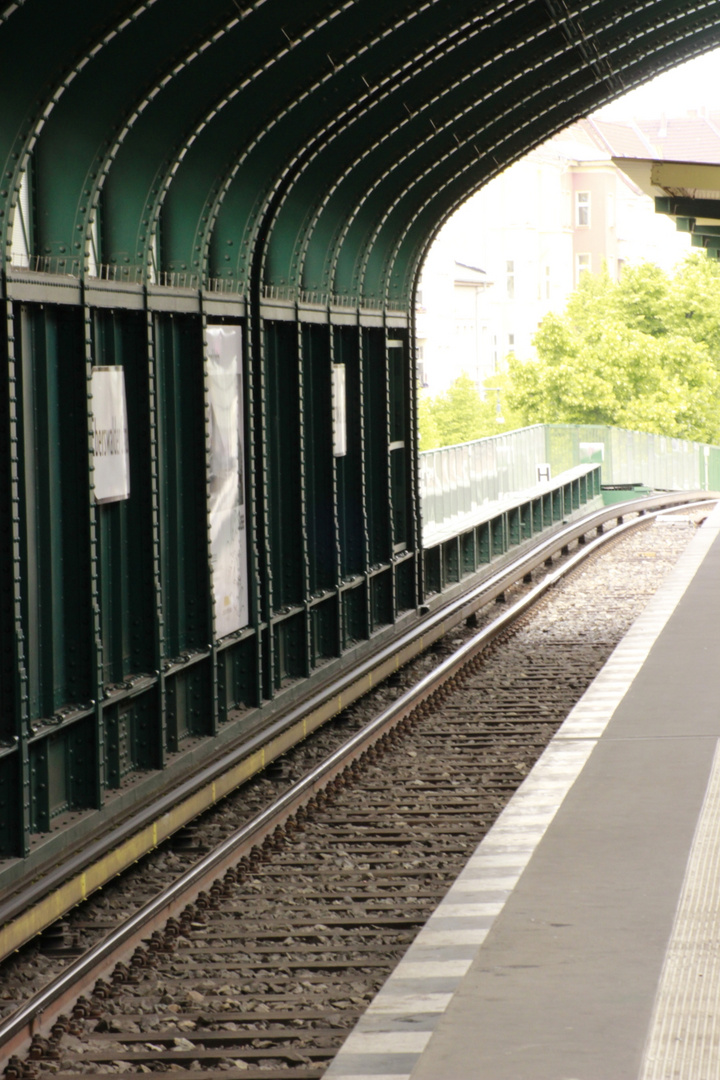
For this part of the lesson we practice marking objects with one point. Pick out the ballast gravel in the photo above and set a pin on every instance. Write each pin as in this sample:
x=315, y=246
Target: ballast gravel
x=318, y=923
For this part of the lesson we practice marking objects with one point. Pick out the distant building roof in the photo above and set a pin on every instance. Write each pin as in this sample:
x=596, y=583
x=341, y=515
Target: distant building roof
x=621, y=138
x=470, y=275
x=693, y=137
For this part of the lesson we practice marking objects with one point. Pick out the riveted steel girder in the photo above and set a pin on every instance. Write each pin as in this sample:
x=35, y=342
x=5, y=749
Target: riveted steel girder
x=310, y=148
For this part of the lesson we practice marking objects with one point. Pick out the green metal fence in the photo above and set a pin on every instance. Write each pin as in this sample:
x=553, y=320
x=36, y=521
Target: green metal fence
x=635, y=457
x=456, y=482
x=466, y=544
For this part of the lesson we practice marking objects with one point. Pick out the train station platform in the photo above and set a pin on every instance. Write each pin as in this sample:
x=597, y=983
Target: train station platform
x=582, y=939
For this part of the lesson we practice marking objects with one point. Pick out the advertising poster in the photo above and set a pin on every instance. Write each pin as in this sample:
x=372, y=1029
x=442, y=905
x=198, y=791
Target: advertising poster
x=226, y=509
x=339, y=410
x=111, y=455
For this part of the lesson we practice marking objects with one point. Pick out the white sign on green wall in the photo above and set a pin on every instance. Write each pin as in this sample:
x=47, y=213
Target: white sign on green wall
x=226, y=498
x=111, y=454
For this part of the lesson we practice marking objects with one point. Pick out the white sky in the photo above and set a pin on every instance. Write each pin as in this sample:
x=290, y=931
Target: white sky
x=692, y=85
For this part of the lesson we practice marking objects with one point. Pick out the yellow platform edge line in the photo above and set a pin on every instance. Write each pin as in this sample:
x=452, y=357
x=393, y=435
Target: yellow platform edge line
x=21, y=930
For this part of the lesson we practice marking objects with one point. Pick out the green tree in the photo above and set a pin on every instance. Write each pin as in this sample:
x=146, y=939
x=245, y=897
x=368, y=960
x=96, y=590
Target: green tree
x=695, y=302
x=641, y=353
x=429, y=436
x=457, y=412
x=463, y=413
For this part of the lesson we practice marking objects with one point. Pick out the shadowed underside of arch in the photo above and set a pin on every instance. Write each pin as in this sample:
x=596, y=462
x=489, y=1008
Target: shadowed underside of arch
x=306, y=149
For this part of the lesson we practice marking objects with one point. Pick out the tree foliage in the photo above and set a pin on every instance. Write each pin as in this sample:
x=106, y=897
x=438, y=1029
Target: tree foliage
x=427, y=428
x=463, y=413
x=641, y=353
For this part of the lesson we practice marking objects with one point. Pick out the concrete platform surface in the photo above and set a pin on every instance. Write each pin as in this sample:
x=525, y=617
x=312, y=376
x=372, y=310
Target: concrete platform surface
x=582, y=940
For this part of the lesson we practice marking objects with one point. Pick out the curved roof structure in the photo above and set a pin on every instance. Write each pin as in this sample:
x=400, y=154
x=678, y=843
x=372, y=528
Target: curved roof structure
x=304, y=149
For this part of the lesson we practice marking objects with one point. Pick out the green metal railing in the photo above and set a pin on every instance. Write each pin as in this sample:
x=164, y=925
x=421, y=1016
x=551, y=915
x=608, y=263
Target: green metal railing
x=635, y=457
x=457, y=482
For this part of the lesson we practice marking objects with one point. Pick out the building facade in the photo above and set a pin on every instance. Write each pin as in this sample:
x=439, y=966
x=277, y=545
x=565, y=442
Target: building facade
x=515, y=250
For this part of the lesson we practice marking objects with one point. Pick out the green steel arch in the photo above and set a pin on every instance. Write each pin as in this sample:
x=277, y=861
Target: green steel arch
x=314, y=146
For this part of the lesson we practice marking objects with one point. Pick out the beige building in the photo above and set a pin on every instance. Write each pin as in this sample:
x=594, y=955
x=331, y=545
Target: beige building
x=517, y=248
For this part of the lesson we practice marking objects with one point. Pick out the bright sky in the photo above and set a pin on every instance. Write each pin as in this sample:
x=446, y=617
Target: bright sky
x=692, y=85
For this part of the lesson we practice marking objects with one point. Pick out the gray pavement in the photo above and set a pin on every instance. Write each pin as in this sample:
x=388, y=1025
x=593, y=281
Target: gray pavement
x=582, y=941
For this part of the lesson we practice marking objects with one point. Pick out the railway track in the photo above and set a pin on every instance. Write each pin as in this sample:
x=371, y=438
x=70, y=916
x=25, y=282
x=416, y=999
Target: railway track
x=265, y=971
x=42, y=892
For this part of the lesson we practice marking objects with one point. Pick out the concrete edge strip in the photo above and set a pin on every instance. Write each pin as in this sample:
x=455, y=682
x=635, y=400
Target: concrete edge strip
x=392, y=1034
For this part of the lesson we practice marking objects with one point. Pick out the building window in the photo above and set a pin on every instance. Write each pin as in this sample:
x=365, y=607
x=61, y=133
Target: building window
x=547, y=283
x=510, y=278
x=582, y=265
x=582, y=207
x=511, y=342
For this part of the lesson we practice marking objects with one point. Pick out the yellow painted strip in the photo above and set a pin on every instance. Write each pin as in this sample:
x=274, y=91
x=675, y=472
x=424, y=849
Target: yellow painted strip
x=115, y=862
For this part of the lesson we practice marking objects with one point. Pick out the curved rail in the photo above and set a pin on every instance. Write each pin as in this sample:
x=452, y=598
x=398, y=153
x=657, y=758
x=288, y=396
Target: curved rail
x=439, y=615
x=39, y=1013
x=161, y=816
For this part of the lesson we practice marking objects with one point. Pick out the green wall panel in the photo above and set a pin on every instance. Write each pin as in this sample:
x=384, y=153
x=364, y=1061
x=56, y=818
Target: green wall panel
x=55, y=485
x=181, y=473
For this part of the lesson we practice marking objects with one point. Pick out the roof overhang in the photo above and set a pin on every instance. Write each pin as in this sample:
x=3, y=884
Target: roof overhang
x=687, y=191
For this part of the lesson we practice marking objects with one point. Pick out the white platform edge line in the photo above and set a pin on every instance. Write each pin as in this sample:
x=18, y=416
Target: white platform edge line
x=557, y=770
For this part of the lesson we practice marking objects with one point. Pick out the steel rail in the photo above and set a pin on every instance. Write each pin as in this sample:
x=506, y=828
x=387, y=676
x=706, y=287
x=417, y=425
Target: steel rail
x=39, y=1013
x=437, y=621
x=439, y=616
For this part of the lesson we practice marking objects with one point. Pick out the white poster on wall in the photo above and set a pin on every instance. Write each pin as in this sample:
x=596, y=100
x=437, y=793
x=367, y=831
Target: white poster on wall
x=226, y=501
x=339, y=410
x=111, y=454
